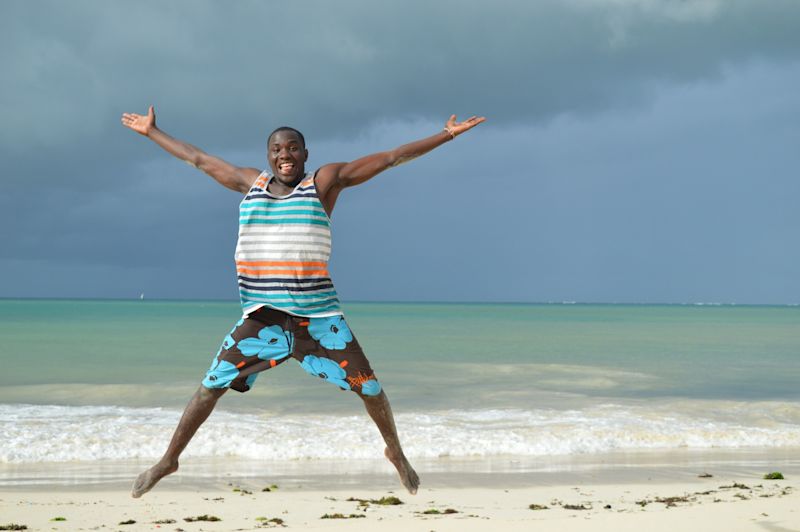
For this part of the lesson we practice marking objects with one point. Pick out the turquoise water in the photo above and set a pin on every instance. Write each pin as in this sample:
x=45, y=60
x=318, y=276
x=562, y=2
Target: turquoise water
x=433, y=355
x=106, y=380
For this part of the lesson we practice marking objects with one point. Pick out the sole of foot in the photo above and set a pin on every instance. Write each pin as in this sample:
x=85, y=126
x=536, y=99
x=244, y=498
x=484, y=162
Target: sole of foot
x=150, y=478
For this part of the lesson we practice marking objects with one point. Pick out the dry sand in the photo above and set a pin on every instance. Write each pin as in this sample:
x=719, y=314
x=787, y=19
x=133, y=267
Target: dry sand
x=702, y=504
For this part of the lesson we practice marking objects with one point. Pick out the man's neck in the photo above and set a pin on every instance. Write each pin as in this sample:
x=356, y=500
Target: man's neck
x=278, y=187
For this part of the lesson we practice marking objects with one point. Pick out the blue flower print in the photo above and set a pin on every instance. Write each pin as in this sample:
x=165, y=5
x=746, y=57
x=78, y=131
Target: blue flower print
x=251, y=379
x=371, y=387
x=325, y=368
x=228, y=342
x=331, y=333
x=272, y=343
x=220, y=375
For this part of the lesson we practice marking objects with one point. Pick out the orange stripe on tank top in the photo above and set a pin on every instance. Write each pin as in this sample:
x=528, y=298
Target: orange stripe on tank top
x=281, y=263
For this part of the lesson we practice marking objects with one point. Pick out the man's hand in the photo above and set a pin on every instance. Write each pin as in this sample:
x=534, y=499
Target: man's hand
x=139, y=123
x=457, y=128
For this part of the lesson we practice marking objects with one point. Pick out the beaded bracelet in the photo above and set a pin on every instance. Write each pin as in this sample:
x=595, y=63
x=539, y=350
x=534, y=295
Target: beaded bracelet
x=449, y=132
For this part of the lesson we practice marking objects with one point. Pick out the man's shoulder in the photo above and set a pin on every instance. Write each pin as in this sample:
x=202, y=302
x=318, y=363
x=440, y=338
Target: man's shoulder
x=326, y=175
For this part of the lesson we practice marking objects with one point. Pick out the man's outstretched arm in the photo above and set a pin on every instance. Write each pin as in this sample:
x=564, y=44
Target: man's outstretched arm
x=233, y=177
x=334, y=177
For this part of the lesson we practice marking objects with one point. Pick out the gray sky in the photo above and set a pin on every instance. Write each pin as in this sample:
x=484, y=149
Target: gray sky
x=636, y=150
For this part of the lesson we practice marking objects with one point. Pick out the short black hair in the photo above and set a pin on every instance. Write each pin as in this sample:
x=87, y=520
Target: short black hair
x=287, y=128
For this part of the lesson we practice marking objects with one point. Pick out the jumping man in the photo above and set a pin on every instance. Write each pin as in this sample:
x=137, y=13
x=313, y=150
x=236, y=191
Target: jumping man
x=290, y=307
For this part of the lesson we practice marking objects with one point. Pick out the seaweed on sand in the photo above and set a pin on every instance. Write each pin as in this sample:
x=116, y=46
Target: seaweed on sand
x=576, y=507
x=434, y=511
x=342, y=516
x=390, y=500
x=271, y=520
x=204, y=517
x=672, y=501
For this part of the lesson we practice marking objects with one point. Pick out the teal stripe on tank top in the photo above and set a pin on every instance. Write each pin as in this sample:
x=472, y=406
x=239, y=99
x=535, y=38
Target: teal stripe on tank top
x=294, y=305
x=292, y=297
x=295, y=221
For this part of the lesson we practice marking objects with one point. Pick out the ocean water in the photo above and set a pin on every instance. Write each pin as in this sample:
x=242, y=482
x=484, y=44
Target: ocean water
x=91, y=381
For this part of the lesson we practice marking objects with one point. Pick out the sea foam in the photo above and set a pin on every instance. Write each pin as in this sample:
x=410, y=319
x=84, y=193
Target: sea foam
x=35, y=433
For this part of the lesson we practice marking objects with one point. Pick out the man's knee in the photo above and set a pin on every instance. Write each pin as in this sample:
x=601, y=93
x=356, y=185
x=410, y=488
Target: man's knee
x=370, y=388
x=210, y=394
x=372, y=397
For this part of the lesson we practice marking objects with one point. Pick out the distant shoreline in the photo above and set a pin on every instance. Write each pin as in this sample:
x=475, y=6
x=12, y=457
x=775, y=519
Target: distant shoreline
x=450, y=303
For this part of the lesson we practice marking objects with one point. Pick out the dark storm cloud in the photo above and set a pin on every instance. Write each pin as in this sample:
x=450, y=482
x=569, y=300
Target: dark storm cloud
x=83, y=192
x=227, y=73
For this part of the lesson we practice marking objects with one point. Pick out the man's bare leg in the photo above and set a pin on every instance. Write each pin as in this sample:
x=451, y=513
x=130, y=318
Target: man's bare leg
x=381, y=413
x=197, y=411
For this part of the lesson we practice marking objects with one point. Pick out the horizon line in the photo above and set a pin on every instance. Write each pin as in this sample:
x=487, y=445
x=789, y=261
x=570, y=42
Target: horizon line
x=426, y=302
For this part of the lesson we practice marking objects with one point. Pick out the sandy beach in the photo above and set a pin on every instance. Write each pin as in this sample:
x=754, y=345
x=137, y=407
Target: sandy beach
x=641, y=499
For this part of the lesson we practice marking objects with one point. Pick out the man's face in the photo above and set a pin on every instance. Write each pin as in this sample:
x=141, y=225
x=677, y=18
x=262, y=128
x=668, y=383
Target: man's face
x=287, y=157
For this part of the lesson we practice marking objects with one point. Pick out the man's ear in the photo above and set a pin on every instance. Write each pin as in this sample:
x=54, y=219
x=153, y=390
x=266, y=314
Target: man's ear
x=305, y=151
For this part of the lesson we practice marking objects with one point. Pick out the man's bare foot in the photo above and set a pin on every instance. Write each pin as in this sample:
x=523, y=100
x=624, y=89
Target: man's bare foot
x=150, y=478
x=408, y=476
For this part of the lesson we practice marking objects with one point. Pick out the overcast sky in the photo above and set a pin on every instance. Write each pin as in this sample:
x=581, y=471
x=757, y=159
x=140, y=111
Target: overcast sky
x=635, y=150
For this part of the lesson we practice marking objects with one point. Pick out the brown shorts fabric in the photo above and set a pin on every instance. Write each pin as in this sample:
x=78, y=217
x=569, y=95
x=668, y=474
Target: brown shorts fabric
x=324, y=347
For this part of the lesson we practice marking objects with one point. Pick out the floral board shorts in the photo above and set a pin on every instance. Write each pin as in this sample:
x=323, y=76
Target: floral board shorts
x=324, y=347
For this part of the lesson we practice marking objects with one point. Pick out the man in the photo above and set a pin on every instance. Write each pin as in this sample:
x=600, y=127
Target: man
x=290, y=307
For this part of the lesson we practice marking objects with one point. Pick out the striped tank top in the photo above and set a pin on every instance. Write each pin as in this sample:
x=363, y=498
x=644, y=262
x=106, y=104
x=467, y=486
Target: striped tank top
x=283, y=250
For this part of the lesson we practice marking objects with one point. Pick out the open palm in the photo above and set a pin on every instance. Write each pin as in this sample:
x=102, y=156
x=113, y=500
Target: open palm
x=140, y=123
x=457, y=128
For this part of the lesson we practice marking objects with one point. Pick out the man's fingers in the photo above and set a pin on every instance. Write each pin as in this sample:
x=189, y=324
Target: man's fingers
x=469, y=123
x=475, y=120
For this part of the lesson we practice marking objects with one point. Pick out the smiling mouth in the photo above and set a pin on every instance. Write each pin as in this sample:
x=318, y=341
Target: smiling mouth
x=286, y=168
